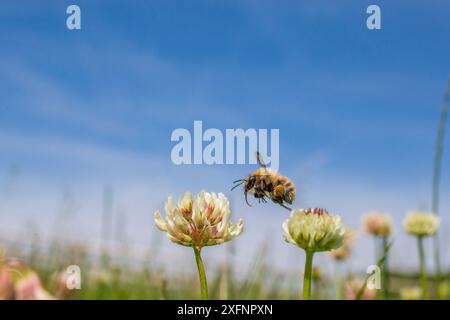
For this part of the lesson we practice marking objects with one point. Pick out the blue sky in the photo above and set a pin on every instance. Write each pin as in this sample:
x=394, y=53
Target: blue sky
x=357, y=109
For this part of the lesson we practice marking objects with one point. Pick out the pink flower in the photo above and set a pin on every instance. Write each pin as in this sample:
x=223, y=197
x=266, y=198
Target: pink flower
x=6, y=284
x=30, y=287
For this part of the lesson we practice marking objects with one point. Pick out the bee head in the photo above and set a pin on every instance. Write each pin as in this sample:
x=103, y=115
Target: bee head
x=248, y=183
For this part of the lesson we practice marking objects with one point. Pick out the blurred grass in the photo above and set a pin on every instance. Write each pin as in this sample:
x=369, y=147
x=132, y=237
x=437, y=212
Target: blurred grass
x=105, y=278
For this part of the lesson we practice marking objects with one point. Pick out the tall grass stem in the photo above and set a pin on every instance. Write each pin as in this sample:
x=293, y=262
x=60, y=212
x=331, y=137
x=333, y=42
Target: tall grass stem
x=439, y=146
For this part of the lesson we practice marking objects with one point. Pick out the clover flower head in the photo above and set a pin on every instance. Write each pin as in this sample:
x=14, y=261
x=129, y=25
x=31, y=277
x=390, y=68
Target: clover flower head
x=200, y=221
x=6, y=284
x=29, y=287
x=421, y=224
x=341, y=253
x=19, y=282
x=377, y=224
x=344, y=252
x=349, y=236
x=314, y=230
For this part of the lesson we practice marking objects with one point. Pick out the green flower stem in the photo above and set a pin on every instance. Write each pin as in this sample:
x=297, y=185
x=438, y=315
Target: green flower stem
x=201, y=274
x=423, y=276
x=307, y=275
x=385, y=269
x=338, y=272
x=376, y=248
x=437, y=262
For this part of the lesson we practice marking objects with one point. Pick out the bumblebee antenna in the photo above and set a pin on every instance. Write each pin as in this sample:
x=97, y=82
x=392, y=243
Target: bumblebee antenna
x=237, y=185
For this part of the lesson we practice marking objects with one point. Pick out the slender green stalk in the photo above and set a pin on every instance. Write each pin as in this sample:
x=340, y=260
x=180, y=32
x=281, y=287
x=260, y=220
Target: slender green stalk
x=385, y=272
x=376, y=248
x=436, y=177
x=307, y=275
x=423, y=275
x=338, y=276
x=201, y=274
x=437, y=262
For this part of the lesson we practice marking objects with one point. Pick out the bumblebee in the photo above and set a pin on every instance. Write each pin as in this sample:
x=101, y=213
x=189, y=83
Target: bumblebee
x=266, y=183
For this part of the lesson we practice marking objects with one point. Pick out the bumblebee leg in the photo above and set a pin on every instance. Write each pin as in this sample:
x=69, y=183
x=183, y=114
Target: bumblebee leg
x=246, y=200
x=284, y=206
x=266, y=196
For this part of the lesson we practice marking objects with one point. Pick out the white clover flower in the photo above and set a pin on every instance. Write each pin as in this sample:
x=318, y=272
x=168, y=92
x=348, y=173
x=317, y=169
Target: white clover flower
x=203, y=221
x=377, y=224
x=421, y=224
x=314, y=230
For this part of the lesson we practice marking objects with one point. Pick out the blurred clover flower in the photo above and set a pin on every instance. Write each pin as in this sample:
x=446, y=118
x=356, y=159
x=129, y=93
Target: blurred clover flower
x=29, y=287
x=19, y=282
x=421, y=225
x=6, y=284
x=199, y=222
x=313, y=230
x=340, y=254
x=379, y=225
x=344, y=252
